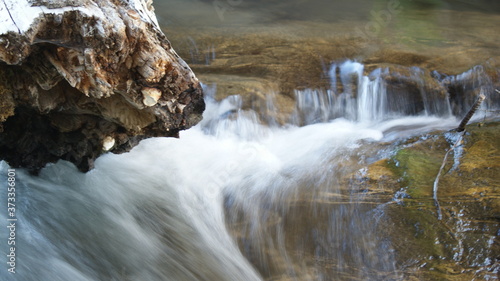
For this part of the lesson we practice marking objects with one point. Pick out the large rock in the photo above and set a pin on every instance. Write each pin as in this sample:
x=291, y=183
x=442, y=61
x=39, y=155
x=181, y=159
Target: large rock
x=464, y=244
x=81, y=77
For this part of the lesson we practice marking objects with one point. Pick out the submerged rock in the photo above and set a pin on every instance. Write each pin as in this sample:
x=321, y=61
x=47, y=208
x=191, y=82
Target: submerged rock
x=76, y=77
x=464, y=244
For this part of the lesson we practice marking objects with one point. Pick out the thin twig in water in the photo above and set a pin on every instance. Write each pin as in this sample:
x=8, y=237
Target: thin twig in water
x=471, y=112
x=436, y=181
x=460, y=128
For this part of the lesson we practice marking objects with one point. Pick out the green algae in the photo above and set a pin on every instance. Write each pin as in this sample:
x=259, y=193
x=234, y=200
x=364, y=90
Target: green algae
x=461, y=246
x=417, y=166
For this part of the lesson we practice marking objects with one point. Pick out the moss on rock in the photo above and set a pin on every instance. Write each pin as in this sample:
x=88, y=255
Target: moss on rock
x=464, y=245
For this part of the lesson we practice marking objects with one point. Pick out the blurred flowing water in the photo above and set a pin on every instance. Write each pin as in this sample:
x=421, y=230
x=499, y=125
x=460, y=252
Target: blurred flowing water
x=238, y=197
x=244, y=195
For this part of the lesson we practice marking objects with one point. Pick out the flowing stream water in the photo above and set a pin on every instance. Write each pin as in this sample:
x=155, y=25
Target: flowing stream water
x=246, y=195
x=238, y=197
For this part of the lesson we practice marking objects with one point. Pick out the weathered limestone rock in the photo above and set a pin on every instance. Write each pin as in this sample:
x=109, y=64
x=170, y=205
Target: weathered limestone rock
x=81, y=77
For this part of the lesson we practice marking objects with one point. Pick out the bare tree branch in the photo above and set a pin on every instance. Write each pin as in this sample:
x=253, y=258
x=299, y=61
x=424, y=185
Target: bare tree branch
x=471, y=112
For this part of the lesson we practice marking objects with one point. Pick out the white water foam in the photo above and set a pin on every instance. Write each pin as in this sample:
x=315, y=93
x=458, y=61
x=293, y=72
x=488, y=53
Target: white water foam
x=159, y=211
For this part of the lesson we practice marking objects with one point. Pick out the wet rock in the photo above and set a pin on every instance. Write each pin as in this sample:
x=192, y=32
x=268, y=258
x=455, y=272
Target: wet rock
x=466, y=87
x=298, y=55
x=74, y=76
x=464, y=245
x=415, y=82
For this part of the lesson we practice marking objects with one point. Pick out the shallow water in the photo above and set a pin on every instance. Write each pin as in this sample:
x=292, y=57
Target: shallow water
x=465, y=29
x=158, y=212
x=237, y=197
x=249, y=194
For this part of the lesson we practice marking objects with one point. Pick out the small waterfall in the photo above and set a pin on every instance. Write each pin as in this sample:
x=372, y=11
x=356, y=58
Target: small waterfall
x=464, y=89
x=381, y=95
x=227, y=118
x=235, y=198
x=372, y=98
